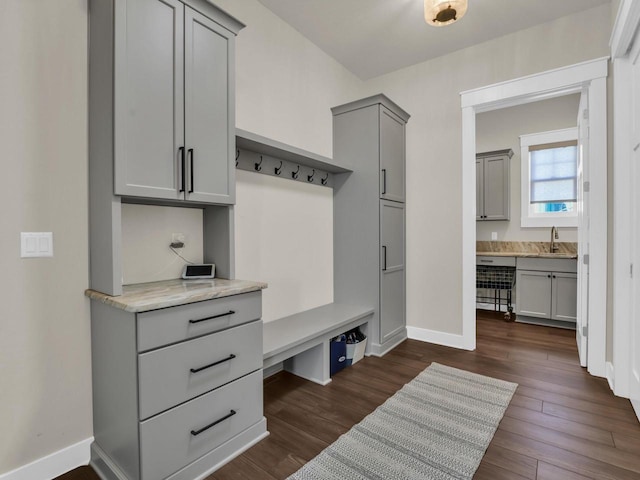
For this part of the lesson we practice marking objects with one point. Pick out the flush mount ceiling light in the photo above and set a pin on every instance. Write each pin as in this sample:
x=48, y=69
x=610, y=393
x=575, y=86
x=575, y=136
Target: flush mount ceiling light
x=444, y=12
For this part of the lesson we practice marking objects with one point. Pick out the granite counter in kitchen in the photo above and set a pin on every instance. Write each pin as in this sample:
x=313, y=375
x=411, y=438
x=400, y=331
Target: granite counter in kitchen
x=526, y=249
x=143, y=297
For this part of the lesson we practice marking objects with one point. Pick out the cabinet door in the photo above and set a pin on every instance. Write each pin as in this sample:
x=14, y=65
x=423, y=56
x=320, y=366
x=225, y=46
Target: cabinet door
x=479, y=189
x=149, y=98
x=496, y=188
x=392, y=153
x=564, y=297
x=392, y=269
x=533, y=293
x=209, y=119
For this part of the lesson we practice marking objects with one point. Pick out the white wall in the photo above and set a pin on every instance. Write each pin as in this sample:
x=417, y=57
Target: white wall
x=501, y=129
x=45, y=363
x=285, y=84
x=430, y=92
x=285, y=88
x=284, y=236
x=147, y=231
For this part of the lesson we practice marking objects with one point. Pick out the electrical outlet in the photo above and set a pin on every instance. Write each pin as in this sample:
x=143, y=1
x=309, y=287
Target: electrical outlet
x=177, y=238
x=494, y=236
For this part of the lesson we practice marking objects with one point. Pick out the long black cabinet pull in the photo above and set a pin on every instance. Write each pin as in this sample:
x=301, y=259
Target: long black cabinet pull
x=384, y=181
x=182, y=172
x=230, y=312
x=229, y=415
x=196, y=370
x=191, y=170
x=384, y=249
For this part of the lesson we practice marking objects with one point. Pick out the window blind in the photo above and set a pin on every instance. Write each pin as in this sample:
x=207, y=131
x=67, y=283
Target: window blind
x=553, y=172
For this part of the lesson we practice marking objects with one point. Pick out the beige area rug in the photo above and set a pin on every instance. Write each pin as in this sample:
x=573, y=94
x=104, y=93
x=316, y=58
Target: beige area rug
x=438, y=426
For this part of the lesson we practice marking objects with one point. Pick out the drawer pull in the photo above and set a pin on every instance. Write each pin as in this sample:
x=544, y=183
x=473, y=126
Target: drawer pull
x=230, y=312
x=196, y=370
x=486, y=261
x=198, y=432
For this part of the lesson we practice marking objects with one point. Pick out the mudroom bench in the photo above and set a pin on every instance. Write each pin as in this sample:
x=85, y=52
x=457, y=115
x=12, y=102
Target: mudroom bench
x=301, y=341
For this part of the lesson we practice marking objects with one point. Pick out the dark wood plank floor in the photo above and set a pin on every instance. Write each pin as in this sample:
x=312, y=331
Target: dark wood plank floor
x=562, y=424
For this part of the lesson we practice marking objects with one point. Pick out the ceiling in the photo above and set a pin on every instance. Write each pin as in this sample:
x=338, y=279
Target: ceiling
x=373, y=37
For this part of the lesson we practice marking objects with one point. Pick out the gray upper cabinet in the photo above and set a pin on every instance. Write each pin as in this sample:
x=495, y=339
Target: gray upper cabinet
x=149, y=99
x=209, y=134
x=493, y=185
x=174, y=101
x=369, y=215
x=392, y=161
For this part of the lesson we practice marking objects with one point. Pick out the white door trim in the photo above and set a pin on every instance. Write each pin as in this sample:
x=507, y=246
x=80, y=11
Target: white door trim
x=590, y=75
x=622, y=39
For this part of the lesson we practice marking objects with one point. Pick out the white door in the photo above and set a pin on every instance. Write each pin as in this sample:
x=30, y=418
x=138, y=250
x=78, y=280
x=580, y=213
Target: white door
x=634, y=387
x=582, y=310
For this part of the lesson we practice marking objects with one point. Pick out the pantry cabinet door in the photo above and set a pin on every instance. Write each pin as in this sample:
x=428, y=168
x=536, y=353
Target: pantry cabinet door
x=392, y=269
x=392, y=156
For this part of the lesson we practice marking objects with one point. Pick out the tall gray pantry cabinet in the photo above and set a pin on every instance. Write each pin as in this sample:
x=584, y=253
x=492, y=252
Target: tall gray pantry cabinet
x=369, y=214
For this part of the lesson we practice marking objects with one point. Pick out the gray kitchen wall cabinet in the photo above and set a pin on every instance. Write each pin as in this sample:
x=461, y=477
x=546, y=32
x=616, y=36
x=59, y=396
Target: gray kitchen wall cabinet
x=369, y=216
x=547, y=289
x=493, y=185
x=174, y=100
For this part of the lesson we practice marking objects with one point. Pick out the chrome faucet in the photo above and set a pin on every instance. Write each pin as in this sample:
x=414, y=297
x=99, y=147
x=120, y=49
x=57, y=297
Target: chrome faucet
x=553, y=248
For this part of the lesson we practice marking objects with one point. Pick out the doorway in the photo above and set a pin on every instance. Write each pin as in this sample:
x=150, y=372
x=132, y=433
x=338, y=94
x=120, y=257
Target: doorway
x=589, y=80
x=526, y=195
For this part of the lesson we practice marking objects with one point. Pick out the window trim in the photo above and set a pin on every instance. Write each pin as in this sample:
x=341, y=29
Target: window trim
x=559, y=219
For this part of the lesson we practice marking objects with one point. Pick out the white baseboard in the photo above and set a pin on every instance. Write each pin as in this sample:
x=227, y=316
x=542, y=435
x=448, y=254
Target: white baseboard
x=439, y=338
x=610, y=376
x=53, y=465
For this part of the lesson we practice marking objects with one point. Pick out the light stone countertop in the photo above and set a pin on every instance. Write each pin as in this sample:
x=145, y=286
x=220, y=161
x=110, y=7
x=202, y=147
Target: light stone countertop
x=527, y=254
x=143, y=297
x=526, y=249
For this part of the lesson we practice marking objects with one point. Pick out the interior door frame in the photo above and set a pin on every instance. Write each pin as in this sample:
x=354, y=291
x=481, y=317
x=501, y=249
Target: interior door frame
x=592, y=77
x=622, y=39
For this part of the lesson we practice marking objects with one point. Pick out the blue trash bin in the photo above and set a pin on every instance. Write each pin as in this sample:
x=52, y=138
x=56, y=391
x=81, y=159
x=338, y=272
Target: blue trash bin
x=338, y=354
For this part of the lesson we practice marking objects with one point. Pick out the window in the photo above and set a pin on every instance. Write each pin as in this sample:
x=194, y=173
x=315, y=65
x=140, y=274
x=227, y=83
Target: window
x=549, y=178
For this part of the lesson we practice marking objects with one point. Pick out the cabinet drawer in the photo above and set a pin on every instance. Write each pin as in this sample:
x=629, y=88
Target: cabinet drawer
x=170, y=325
x=496, y=261
x=167, y=443
x=166, y=377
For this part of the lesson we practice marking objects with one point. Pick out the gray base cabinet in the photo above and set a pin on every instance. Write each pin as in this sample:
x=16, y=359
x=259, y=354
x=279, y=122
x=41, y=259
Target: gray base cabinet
x=177, y=392
x=369, y=215
x=547, y=289
x=493, y=185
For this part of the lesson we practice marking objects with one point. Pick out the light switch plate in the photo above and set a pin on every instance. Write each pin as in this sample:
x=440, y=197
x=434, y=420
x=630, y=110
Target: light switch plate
x=494, y=236
x=36, y=244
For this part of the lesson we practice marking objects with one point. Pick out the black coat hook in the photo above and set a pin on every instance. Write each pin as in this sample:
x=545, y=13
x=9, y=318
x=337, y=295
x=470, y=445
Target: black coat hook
x=258, y=166
x=310, y=177
x=294, y=175
x=278, y=170
x=237, y=156
x=324, y=180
